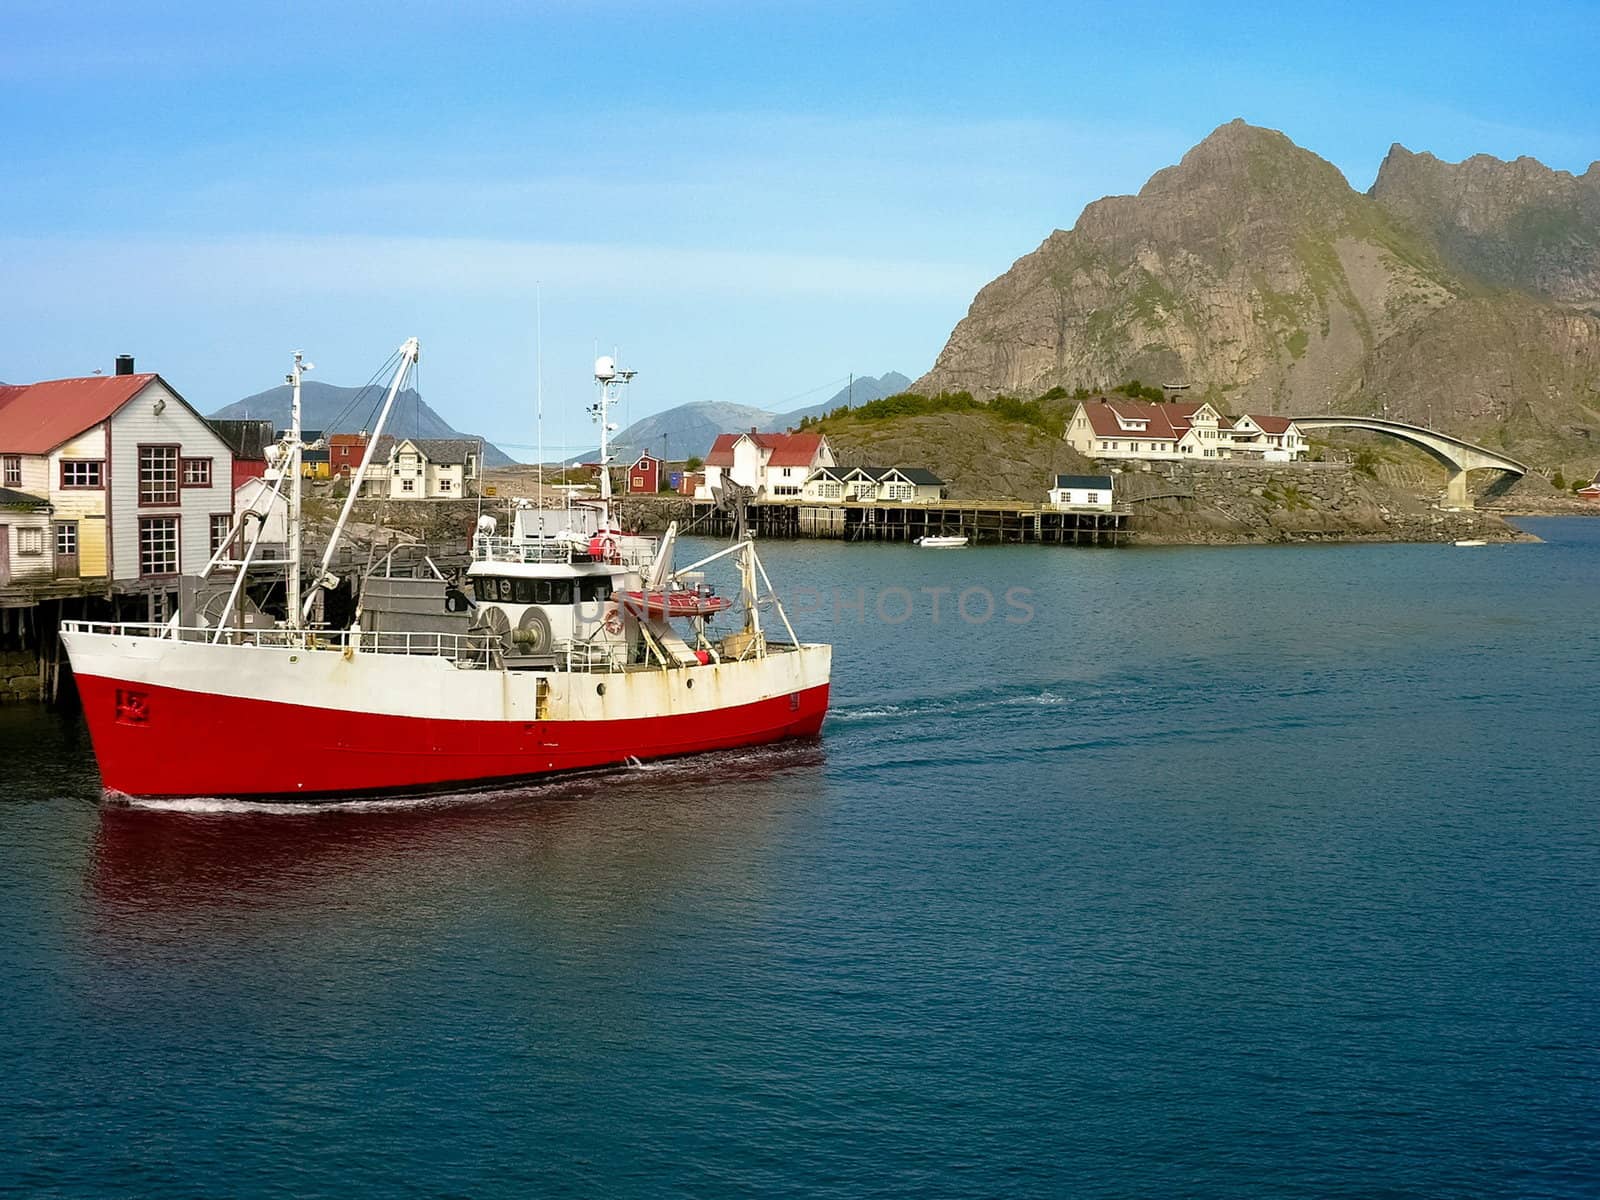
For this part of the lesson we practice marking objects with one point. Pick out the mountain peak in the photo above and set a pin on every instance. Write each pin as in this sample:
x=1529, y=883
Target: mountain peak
x=1253, y=270
x=1239, y=163
x=1516, y=223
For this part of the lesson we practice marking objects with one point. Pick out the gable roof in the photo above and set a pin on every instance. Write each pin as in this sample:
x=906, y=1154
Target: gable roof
x=1166, y=422
x=792, y=449
x=1272, y=425
x=1085, y=482
x=35, y=418
x=450, y=451
x=920, y=476
x=784, y=449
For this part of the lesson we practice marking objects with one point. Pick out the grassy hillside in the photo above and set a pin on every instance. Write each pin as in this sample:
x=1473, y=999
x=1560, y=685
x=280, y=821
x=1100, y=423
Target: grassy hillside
x=981, y=455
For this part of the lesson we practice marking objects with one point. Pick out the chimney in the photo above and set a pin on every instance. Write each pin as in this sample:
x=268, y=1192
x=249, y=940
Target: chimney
x=752, y=431
x=124, y=364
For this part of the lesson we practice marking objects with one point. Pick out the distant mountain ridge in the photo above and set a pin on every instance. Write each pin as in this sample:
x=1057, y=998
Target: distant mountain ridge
x=689, y=429
x=1458, y=295
x=321, y=406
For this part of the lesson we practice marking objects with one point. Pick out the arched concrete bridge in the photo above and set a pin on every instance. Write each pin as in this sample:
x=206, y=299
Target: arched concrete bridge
x=1457, y=456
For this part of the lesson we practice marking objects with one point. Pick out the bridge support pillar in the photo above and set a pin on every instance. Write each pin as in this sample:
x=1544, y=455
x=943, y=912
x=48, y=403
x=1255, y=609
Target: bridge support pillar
x=1456, y=494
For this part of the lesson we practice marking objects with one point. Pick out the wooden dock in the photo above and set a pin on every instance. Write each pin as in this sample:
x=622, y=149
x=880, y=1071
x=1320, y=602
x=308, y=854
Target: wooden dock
x=985, y=522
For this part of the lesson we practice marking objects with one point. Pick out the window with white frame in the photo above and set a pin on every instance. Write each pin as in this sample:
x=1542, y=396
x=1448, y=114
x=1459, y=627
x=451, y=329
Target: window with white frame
x=221, y=524
x=11, y=470
x=197, y=472
x=446, y=484
x=30, y=541
x=158, y=545
x=158, y=474
x=66, y=538
x=408, y=485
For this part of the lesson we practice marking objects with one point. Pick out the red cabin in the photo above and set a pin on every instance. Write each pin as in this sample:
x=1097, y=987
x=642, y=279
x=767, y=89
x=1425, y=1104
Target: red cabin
x=644, y=477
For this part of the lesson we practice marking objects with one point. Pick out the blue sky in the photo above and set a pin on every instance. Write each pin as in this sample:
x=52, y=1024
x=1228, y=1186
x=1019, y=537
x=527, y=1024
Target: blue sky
x=750, y=200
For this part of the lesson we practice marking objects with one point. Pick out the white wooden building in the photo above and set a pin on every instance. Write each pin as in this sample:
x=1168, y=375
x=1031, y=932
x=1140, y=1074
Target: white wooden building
x=1189, y=431
x=1083, y=491
x=424, y=468
x=773, y=465
x=139, y=486
x=27, y=538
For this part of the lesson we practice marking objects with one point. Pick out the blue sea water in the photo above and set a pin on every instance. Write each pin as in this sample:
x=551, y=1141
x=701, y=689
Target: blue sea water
x=1253, y=872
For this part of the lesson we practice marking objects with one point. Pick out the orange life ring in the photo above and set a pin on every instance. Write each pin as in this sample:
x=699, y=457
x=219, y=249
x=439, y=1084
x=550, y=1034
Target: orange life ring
x=613, y=621
x=604, y=546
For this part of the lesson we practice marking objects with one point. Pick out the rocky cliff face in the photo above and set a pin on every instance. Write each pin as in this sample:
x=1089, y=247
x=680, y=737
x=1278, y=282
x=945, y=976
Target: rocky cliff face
x=1255, y=272
x=1513, y=224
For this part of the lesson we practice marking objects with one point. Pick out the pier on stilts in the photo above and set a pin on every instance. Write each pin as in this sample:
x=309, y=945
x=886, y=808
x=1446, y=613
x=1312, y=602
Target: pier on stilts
x=984, y=522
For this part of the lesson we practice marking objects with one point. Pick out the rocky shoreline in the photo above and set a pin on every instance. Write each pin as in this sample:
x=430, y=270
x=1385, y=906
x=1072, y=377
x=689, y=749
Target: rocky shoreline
x=1259, y=503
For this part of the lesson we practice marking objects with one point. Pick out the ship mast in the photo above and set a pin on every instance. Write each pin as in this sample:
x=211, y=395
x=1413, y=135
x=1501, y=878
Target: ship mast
x=293, y=467
x=408, y=354
x=608, y=377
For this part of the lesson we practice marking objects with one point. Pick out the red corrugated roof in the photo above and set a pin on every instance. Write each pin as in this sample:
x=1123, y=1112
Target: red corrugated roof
x=1166, y=422
x=721, y=453
x=787, y=449
x=1271, y=424
x=791, y=449
x=35, y=418
x=1159, y=426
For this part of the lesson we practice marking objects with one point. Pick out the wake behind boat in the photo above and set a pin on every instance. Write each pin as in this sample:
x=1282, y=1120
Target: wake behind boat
x=579, y=646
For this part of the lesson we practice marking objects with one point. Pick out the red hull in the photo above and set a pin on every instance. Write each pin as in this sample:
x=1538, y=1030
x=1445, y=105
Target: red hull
x=198, y=744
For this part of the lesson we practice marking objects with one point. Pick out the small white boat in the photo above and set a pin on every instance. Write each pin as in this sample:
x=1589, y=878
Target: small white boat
x=1471, y=542
x=942, y=541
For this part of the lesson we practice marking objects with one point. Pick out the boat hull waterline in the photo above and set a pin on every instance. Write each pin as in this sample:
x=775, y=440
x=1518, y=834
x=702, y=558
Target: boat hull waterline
x=173, y=719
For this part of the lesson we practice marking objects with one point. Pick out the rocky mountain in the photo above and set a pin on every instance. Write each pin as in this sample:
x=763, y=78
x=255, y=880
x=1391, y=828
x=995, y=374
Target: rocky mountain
x=334, y=409
x=1253, y=271
x=1516, y=224
x=689, y=429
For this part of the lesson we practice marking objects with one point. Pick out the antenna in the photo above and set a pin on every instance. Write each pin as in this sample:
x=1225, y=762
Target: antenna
x=607, y=376
x=538, y=373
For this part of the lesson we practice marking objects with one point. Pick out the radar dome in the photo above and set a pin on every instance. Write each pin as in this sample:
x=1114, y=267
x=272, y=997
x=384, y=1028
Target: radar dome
x=605, y=368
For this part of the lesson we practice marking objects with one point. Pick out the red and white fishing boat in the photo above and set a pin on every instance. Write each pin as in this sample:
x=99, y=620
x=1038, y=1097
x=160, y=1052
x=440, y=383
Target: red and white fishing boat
x=578, y=647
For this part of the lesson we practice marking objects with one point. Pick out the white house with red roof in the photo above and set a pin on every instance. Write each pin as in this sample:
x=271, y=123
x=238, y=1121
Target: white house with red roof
x=1276, y=439
x=1114, y=428
x=775, y=465
x=139, y=486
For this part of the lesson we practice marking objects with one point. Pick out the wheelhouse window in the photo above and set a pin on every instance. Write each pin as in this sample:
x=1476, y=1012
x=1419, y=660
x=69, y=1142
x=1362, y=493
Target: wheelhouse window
x=537, y=591
x=592, y=589
x=158, y=545
x=11, y=470
x=197, y=472
x=82, y=472
x=158, y=474
x=221, y=523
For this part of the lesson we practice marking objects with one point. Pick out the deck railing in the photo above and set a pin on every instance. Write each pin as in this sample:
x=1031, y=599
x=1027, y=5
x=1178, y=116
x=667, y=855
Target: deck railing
x=630, y=550
x=478, y=649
